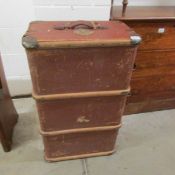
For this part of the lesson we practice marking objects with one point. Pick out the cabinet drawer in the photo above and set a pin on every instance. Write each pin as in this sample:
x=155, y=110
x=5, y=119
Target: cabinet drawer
x=152, y=84
x=147, y=59
x=155, y=35
x=154, y=72
x=156, y=95
x=149, y=106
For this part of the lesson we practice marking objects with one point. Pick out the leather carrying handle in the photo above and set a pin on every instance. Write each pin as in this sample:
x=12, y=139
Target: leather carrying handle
x=80, y=24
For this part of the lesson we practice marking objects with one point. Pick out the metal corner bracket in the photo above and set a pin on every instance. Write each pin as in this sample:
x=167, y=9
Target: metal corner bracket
x=136, y=39
x=29, y=42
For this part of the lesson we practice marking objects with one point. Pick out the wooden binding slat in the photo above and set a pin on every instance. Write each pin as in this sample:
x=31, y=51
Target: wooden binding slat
x=78, y=130
x=80, y=94
x=81, y=44
x=79, y=156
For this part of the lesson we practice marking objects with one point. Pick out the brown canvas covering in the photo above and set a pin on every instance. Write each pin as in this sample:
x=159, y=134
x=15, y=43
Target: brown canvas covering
x=154, y=65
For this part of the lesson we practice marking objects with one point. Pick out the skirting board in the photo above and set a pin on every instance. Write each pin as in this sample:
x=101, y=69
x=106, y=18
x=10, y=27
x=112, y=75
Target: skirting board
x=19, y=85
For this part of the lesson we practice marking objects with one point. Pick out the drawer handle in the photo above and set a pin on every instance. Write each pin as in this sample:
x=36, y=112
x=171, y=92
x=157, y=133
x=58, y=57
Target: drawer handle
x=161, y=30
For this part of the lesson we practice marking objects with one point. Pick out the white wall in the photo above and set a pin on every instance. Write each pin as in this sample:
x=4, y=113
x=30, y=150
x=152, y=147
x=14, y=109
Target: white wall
x=14, y=19
x=147, y=2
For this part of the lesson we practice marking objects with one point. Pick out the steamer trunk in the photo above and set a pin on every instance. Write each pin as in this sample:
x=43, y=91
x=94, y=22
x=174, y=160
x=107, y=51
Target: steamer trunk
x=81, y=73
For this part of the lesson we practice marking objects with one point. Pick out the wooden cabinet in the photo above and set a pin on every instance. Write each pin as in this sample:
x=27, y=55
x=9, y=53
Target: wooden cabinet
x=155, y=34
x=8, y=115
x=153, y=79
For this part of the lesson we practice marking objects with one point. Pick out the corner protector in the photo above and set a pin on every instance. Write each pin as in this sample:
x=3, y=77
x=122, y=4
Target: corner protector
x=135, y=39
x=29, y=42
x=35, y=22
